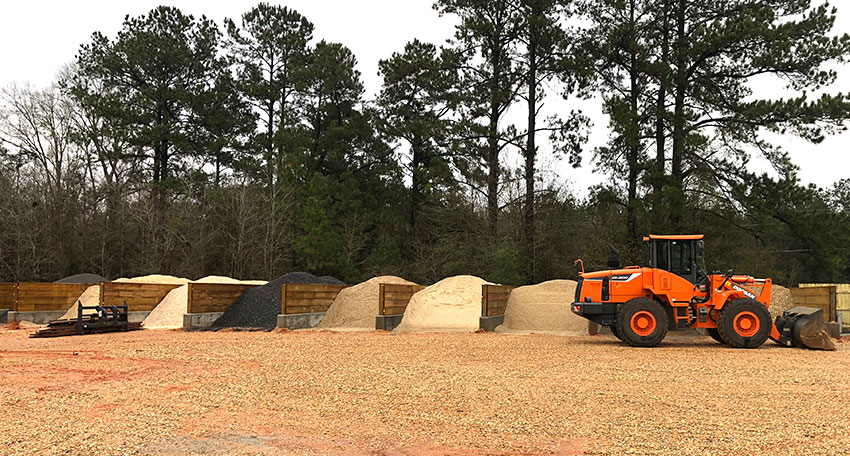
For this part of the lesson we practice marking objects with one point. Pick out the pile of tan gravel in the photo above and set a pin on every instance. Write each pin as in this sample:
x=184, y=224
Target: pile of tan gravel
x=168, y=314
x=155, y=278
x=780, y=300
x=89, y=298
x=543, y=307
x=356, y=307
x=452, y=304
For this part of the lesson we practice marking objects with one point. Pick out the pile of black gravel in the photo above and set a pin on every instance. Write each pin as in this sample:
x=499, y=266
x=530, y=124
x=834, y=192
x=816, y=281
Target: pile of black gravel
x=89, y=279
x=259, y=307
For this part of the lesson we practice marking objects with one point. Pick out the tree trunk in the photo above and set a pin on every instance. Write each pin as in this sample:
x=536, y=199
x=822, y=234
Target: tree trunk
x=493, y=143
x=633, y=140
x=677, y=206
x=660, y=112
x=270, y=146
x=416, y=186
x=530, y=156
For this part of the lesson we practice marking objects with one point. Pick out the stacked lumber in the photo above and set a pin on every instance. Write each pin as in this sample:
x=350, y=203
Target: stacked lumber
x=61, y=328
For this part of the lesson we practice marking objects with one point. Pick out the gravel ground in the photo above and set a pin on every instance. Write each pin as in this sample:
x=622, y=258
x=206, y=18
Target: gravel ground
x=259, y=307
x=171, y=392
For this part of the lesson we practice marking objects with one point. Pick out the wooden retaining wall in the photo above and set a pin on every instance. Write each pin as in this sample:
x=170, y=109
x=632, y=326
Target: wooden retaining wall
x=8, y=295
x=140, y=297
x=819, y=297
x=299, y=298
x=40, y=297
x=393, y=298
x=842, y=300
x=214, y=297
x=494, y=299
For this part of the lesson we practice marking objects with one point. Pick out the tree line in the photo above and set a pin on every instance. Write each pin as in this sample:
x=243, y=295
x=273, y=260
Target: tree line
x=250, y=148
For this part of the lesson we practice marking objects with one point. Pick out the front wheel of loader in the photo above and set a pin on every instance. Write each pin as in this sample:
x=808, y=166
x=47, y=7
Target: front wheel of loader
x=744, y=323
x=641, y=322
x=715, y=334
x=616, y=334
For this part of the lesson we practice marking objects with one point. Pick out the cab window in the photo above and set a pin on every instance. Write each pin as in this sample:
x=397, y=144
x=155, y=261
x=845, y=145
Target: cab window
x=681, y=260
x=662, y=254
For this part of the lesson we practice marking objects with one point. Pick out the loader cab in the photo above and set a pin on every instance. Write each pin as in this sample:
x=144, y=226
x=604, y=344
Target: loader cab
x=680, y=255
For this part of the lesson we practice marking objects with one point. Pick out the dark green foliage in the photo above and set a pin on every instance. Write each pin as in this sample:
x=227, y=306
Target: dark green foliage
x=149, y=79
x=171, y=150
x=270, y=49
x=420, y=94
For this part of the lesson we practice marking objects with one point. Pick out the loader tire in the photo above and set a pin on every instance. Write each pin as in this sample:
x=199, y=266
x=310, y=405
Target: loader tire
x=616, y=334
x=744, y=323
x=715, y=334
x=641, y=322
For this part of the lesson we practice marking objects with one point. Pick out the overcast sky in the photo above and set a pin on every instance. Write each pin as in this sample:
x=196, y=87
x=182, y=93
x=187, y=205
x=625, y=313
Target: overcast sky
x=38, y=37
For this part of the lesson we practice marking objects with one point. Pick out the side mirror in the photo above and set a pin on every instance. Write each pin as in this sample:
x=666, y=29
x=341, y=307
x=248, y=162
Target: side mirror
x=730, y=273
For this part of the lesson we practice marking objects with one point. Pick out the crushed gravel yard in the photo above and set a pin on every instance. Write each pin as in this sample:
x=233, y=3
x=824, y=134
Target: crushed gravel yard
x=318, y=392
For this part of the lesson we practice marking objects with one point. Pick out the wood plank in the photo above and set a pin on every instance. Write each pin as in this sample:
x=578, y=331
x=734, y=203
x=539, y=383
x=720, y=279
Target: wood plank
x=308, y=298
x=402, y=289
x=8, y=295
x=214, y=297
x=311, y=294
x=305, y=309
x=37, y=297
x=140, y=297
x=301, y=287
x=819, y=297
x=395, y=297
x=494, y=299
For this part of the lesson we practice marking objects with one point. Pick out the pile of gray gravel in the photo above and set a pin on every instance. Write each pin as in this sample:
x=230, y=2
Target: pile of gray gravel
x=259, y=307
x=89, y=279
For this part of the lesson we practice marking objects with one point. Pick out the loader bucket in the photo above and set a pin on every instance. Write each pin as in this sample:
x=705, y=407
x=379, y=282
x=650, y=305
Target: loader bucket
x=804, y=327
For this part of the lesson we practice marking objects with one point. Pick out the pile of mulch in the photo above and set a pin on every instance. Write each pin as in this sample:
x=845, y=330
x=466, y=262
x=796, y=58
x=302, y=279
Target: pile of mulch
x=259, y=307
x=88, y=279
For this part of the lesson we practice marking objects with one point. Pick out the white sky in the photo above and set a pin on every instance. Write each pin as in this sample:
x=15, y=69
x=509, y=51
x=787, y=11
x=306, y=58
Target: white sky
x=37, y=37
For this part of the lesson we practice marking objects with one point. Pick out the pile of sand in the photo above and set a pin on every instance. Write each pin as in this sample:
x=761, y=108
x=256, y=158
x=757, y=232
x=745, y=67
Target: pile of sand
x=156, y=278
x=780, y=300
x=452, y=304
x=89, y=298
x=543, y=307
x=168, y=314
x=356, y=307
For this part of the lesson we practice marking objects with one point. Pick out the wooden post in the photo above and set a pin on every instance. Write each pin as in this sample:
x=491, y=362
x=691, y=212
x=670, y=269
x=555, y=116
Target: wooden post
x=189, y=300
x=483, y=300
x=283, y=299
x=381, y=291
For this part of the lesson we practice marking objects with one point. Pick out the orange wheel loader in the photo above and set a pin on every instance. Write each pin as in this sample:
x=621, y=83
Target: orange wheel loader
x=673, y=291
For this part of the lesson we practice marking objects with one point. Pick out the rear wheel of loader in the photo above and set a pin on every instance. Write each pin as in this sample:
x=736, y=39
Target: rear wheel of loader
x=744, y=323
x=715, y=334
x=641, y=322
